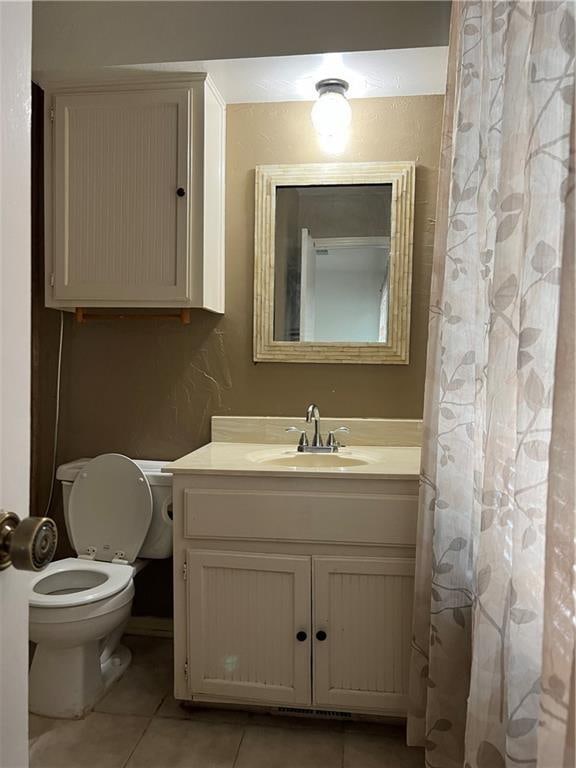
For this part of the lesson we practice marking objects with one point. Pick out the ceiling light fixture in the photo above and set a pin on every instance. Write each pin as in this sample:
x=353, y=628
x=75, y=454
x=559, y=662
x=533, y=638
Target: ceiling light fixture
x=331, y=114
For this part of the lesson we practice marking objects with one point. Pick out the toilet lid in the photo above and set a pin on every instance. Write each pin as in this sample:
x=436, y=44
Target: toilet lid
x=110, y=509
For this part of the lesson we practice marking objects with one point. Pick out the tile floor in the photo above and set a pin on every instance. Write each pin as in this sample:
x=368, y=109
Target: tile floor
x=138, y=724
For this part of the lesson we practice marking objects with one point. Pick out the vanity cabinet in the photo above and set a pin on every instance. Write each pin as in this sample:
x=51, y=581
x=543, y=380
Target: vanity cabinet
x=294, y=592
x=135, y=194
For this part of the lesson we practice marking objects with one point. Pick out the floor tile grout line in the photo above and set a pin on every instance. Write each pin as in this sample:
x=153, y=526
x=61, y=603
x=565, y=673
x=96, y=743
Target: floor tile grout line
x=235, y=763
x=159, y=705
x=144, y=732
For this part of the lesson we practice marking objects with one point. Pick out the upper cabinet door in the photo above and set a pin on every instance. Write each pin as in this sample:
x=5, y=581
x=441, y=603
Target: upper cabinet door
x=121, y=194
x=362, y=631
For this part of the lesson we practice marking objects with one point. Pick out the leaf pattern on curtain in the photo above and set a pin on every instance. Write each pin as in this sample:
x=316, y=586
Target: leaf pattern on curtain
x=504, y=244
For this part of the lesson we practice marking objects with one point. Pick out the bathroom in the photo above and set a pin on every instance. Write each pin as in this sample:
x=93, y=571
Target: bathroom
x=330, y=429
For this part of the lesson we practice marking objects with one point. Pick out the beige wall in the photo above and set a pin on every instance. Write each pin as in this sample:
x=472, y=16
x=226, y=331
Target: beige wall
x=74, y=35
x=148, y=388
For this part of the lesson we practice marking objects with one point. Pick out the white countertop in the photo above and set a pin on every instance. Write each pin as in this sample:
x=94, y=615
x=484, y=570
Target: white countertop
x=382, y=462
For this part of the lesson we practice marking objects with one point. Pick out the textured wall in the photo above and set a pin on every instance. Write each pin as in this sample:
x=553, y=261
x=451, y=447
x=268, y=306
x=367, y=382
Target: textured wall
x=148, y=388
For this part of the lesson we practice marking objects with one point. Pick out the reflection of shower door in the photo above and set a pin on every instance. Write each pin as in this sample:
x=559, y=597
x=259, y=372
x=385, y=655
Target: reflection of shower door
x=307, y=287
x=344, y=288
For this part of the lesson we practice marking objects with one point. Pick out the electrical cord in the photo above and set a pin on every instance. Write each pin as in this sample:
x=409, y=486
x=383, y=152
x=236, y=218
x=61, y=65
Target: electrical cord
x=56, y=416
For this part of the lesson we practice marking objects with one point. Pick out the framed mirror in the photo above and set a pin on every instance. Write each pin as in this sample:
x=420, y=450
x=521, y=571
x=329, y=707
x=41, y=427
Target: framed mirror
x=333, y=262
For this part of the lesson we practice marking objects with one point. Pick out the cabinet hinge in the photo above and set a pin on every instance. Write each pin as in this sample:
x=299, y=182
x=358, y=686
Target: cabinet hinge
x=186, y=670
x=52, y=280
x=52, y=114
x=185, y=571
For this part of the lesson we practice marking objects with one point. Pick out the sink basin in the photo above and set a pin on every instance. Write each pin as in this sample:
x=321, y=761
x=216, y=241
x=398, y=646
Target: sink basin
x=311, y=460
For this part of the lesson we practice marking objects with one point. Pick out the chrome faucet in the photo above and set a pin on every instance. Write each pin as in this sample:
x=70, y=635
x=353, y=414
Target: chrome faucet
x=317, y=446
x=312, y=412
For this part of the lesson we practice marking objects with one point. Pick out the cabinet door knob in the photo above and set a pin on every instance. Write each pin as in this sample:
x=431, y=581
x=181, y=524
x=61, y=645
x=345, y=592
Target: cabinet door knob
x=301, y=636
x=321, y=635
x=180, y=191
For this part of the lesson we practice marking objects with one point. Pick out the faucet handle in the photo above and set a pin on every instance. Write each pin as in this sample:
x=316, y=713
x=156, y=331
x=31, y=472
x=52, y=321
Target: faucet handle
x=331, y=441
x=303, y=441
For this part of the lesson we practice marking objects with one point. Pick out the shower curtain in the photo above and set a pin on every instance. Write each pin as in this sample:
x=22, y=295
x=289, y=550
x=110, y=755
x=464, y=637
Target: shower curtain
x=492, y=672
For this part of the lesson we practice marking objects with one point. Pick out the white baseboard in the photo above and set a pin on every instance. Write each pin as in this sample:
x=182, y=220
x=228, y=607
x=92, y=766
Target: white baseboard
x=150, y=626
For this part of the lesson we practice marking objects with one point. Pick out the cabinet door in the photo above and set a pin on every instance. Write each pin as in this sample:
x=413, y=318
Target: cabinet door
x=244, y=612
x=362, y=630
x=120, y=227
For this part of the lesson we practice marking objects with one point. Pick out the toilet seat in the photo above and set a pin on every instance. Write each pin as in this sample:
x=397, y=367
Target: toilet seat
x=91, y=581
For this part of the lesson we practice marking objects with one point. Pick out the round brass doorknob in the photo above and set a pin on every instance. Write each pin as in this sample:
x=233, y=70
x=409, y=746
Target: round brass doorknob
x=29, y=544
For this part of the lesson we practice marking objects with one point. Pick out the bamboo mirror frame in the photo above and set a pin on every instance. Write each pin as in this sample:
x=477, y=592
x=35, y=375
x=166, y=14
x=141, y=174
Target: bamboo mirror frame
x=395, y=350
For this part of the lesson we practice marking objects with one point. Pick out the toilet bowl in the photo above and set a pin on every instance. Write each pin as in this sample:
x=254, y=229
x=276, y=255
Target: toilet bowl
x=79, y=606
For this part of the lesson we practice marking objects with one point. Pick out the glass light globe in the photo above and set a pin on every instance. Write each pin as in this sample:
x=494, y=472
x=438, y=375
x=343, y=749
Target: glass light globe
x=331, y=113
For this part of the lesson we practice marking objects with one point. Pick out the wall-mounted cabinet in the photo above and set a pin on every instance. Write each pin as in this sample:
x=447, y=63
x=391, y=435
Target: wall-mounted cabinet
x=135, y=194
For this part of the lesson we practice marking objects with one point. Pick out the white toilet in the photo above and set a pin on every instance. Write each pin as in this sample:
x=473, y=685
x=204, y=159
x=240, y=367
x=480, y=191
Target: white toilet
x=116, y=510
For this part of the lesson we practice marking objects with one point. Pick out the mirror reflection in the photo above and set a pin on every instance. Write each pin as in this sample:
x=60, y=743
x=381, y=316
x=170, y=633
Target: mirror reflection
x=331, y=264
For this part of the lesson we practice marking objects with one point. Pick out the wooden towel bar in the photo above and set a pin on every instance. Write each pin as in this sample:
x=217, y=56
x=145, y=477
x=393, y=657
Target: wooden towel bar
x=82, y=316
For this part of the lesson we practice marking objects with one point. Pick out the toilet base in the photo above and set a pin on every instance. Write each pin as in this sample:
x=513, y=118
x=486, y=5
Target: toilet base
x=68, y=682
x=115, y=666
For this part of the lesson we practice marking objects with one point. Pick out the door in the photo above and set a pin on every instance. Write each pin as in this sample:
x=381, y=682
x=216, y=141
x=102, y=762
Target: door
x=249, y=626
x=121, y=196
x=15, y=63
x=362, y=628
x=307, y=287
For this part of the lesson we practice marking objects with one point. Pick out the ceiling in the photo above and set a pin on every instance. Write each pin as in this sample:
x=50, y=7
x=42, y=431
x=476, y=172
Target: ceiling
x=72, y=36
x=403, y=72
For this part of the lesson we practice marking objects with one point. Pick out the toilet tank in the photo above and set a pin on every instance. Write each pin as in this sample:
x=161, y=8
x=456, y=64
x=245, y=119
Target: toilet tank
x=158, y=541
